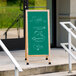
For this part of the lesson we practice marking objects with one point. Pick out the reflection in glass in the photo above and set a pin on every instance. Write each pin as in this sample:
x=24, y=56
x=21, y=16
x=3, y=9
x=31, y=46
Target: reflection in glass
x=11, y=19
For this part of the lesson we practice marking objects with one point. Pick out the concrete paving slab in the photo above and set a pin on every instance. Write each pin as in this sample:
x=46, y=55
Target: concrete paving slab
x=38, y=65
x=58, y=57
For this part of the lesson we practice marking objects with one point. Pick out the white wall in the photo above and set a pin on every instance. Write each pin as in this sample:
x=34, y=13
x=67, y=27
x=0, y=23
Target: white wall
x=63, y=10
x=73, y=16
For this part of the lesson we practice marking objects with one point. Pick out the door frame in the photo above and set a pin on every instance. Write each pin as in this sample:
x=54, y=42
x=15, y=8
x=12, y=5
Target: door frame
x=53, y=24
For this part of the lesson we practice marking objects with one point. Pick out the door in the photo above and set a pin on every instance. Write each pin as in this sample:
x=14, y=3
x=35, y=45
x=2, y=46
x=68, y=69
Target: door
x=51, y=5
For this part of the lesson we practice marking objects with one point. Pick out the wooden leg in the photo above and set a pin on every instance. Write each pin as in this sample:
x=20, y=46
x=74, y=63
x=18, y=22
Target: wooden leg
x=49, y=58
x=27, y=60
x=46, y=57
x=25, y=55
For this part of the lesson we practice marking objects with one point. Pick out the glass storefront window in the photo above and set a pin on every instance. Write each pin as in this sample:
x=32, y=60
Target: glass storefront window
x=11, y=19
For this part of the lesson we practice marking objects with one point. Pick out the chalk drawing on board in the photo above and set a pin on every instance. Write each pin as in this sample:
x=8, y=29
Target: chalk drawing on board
x=40, y=28
x=35, y=19
x=38, y=36
x=38, y=39
x=38, y=20
x=37, y=47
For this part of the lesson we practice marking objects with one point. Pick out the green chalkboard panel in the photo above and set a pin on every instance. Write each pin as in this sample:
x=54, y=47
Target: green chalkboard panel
x=37, y=23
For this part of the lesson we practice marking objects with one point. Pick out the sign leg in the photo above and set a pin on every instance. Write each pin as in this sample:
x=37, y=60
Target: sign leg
x=27, y=60
x=25, y=55
x=46, y=57
x=49, y=58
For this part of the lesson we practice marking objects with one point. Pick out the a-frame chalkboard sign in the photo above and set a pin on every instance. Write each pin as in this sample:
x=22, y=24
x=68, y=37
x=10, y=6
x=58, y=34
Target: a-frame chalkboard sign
x=37, y=34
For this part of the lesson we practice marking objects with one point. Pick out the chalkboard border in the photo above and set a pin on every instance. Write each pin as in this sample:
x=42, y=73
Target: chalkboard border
x=26, y=34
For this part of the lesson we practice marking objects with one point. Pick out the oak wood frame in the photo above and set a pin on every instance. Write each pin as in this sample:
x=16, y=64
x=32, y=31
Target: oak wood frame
x=26, y=39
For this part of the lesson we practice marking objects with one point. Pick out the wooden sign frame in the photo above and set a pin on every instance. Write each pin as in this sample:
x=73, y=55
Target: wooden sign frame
x=26, y=39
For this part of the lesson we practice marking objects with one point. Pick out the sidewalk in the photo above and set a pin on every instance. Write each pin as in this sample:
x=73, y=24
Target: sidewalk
x=38, y=65
x=58, y=57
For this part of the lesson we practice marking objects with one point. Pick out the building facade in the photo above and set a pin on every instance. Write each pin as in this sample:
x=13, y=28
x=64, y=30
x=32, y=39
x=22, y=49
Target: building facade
x=61, y=11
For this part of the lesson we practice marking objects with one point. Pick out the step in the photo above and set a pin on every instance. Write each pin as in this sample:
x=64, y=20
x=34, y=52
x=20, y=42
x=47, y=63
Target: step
x=38, y=70
x=58, y=74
